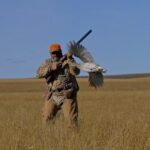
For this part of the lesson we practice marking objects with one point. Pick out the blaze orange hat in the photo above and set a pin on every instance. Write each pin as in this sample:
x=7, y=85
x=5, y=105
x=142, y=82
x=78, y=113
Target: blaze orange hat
x=54, y=47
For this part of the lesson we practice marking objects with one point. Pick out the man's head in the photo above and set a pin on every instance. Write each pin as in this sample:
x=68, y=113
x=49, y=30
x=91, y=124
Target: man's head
x=55, y=51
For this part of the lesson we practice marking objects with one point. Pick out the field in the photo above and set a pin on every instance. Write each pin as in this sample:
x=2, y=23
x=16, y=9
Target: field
x=114, y=117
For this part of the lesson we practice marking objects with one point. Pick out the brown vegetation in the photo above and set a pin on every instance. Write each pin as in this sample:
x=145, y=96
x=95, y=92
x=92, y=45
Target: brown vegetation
x=114, y=117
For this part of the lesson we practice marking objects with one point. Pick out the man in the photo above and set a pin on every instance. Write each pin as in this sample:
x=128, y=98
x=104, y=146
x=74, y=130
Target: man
x=62, y=86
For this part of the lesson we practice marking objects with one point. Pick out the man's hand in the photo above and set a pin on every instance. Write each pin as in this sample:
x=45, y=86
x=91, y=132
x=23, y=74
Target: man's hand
x=56, y=65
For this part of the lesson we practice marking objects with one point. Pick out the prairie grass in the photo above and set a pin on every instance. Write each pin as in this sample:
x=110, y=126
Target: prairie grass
x=114, y=117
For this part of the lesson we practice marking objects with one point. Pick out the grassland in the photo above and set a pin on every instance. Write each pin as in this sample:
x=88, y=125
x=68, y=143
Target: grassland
x=114, y=117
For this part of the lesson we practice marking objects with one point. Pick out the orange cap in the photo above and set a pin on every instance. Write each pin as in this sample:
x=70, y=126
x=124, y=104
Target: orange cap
x=54, y=47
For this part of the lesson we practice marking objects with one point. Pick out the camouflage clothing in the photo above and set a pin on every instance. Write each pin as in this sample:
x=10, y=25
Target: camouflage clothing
x=61, y=91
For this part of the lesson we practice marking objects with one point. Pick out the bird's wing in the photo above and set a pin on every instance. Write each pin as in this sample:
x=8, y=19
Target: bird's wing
x=96, y=79
x=80, y=51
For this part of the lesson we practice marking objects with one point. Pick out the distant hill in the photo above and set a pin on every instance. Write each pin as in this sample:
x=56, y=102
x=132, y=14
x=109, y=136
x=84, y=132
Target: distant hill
x=117, y=76
x=124, y=76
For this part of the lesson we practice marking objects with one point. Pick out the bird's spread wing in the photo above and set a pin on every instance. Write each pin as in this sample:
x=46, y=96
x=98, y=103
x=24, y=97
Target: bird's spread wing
x=96, y=79
x=80, y=51
x=95, y=71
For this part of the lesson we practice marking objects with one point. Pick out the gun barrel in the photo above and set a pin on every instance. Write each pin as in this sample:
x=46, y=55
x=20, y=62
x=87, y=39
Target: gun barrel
x=86, y=34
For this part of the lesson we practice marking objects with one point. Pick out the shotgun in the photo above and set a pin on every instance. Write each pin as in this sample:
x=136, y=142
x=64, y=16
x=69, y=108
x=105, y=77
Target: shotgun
x=83, y=37
x=76, y=43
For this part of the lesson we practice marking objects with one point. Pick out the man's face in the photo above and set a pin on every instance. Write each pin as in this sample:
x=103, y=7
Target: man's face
x=56, y=55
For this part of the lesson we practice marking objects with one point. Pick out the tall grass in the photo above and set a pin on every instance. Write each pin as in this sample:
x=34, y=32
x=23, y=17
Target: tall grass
x=114, y=117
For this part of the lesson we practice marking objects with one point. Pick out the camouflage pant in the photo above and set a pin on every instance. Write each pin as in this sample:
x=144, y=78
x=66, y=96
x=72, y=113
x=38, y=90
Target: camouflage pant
x=69, y=108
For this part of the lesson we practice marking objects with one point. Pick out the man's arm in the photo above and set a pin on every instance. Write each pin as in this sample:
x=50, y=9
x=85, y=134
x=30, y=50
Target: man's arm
x=44, y=69
x=47, y=67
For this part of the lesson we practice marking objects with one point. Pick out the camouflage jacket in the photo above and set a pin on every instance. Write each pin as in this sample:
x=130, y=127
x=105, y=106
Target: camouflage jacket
x=62, y=79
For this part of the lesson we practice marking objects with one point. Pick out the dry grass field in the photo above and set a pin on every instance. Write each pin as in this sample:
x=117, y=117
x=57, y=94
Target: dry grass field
x=114, y=117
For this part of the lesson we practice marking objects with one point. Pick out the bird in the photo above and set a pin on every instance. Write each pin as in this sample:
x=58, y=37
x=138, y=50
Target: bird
x=95, y=71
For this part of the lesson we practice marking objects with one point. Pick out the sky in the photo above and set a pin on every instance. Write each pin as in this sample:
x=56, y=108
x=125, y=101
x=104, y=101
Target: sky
x=119, y=42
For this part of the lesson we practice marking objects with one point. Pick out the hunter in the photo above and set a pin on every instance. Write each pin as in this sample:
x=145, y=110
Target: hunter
x=62, y=86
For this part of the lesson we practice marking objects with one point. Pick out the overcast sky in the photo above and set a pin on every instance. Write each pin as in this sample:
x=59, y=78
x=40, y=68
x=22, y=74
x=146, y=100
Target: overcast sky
x=120, y=40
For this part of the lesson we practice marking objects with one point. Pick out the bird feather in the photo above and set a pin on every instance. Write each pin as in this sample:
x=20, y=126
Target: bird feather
x=96, y=73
